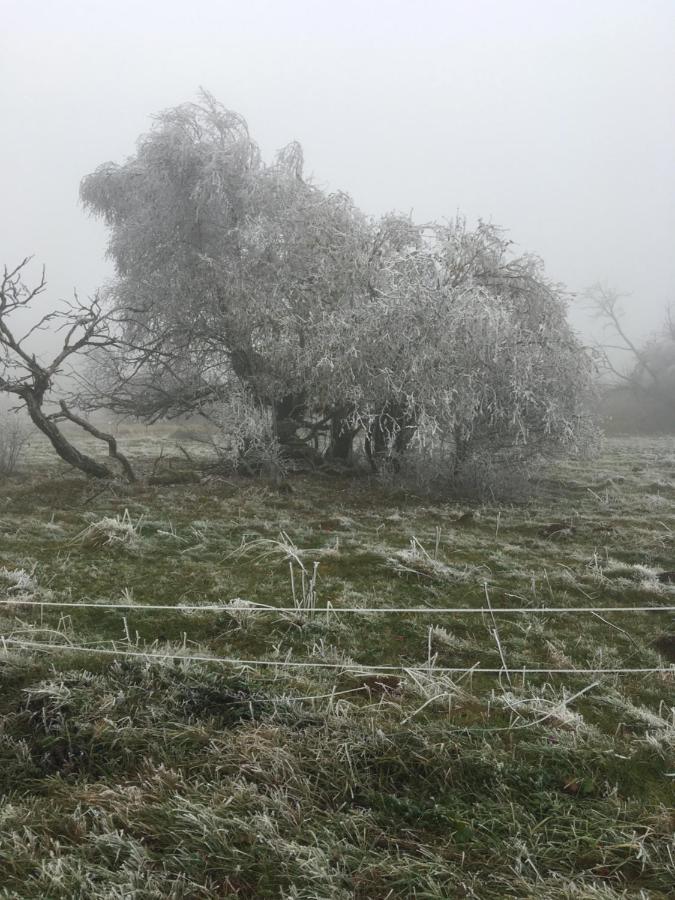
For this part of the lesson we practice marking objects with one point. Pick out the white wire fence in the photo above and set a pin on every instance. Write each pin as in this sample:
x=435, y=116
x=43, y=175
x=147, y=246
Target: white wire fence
x=332, y=610
x=9, y=641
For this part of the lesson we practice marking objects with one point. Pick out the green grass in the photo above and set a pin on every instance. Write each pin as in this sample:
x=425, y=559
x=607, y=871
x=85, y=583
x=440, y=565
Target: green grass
x=137, y=777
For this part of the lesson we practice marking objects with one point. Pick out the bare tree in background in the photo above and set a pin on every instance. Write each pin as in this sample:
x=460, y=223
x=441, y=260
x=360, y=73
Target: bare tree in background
x=650, y=373
x=85, y=328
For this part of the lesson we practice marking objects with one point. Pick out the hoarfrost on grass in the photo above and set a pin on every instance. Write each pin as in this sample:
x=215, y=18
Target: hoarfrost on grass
x=19, y=580
x=111, y=531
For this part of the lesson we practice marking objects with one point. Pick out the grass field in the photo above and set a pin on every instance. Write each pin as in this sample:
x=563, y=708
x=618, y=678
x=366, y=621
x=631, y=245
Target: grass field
x=149, y=775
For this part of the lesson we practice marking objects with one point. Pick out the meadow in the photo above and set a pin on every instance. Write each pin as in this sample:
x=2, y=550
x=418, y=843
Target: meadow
x=188, y=711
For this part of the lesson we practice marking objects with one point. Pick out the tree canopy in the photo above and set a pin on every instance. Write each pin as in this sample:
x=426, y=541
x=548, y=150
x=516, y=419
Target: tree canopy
x=234, y=276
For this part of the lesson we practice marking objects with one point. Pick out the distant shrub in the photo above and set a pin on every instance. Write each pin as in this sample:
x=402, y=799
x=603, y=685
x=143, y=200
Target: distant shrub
x=14, y=435
x=495, y=479
x=485, y=476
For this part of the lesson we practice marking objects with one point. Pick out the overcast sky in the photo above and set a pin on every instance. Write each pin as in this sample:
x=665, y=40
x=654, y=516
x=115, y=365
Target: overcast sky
x=553, y=119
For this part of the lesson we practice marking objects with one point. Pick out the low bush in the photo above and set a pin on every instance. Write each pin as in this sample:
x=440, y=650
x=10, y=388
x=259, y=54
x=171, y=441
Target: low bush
x=14, y=435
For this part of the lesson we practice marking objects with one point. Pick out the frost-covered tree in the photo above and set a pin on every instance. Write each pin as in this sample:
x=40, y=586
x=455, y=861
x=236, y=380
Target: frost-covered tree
x=243, y=278
x=219, y=259
x=457, y=339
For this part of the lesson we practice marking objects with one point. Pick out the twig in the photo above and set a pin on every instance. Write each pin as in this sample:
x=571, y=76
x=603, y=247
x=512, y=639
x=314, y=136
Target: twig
x=495, y=634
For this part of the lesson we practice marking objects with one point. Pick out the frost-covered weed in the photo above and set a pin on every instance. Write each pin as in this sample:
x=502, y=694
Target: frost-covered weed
x=18, y=579
x=240, y=610
x=111, y=531
x=412, y=560
x=445, y=638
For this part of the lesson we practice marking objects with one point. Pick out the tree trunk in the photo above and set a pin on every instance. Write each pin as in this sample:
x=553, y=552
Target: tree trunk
x=389, y=435
x=289, y=415
x=113, y=450
x=342, y=436
x=60, y=443
x=286, y=413
x=461, y=451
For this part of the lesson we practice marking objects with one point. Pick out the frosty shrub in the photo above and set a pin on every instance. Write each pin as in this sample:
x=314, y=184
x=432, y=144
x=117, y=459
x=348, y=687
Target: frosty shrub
x=245, y=439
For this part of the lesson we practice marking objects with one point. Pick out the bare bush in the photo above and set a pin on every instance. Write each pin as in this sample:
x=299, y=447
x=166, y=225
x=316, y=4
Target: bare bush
x=14, y=435
x=494, y=478
x=484, y=476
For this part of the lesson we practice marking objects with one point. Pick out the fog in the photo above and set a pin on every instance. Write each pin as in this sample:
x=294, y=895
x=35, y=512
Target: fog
x=555, y=120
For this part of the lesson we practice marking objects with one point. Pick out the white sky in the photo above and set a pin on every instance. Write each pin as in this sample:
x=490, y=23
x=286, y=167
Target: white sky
x=553, y=119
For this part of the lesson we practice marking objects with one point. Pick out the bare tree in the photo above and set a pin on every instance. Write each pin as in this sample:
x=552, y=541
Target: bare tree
x=651, y=371
x=85, y=328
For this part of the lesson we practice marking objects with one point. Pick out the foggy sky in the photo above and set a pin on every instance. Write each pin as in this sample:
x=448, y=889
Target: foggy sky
x=553, y=119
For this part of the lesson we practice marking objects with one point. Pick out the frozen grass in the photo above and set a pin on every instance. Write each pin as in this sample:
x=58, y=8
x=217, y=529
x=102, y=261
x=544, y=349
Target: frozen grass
x=134, y=778
x=110, y=531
